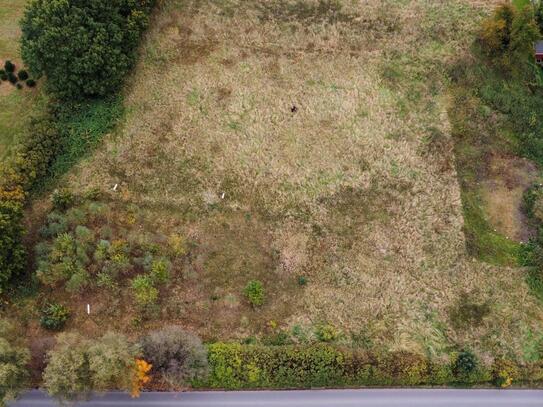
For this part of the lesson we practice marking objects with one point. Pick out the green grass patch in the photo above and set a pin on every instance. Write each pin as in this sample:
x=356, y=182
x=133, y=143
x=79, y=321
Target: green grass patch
x=81, y=129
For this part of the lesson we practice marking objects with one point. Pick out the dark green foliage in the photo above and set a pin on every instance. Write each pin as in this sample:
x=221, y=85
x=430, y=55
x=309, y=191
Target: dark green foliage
x=12, y=252
x=12, y=78
x=539, y=16
x=9, y=66
x=22, y=75
x=254, y=292
x=19, y=86
x=17, y=177
x=465, y=364
x=54, y=317
x=179, y=356
x=3, y=76
x=30, y=83
x=302, y=280
x=85, y=49
x=2, y=71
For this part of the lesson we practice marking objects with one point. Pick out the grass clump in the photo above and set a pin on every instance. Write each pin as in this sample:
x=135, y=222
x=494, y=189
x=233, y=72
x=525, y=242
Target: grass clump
x=254, y=292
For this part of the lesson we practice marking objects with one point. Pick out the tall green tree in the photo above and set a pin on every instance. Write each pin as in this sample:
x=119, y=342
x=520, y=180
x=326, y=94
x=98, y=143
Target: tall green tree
x=84, y=48
x=13, y=365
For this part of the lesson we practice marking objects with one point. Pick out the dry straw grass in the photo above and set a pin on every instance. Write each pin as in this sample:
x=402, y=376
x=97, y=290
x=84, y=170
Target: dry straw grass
x=356, y=190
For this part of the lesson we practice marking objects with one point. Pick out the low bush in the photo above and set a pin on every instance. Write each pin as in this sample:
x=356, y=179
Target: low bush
x=54, y=317
x=9, y=66
x=62, y=199
x=254, y=292
x=504, y=372
x=3, y=76
x=145, y=293
x=22, y=75
x=326, y=333
x=30, y=83
x=12, y=78
x=179, y=356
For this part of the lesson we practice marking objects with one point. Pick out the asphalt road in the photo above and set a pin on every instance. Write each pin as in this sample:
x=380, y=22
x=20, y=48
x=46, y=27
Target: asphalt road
x=309, y=398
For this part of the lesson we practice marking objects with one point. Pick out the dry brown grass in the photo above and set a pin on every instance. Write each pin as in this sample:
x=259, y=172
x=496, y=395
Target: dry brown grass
x=356, y=190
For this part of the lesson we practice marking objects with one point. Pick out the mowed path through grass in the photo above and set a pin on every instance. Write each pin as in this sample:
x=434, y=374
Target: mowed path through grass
x=289, y=139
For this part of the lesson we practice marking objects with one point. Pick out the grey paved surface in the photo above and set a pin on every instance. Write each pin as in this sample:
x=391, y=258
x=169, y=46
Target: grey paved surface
x=313, y=398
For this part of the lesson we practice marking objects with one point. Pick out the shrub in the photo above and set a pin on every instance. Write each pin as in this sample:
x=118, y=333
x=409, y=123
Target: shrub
x=19, y=86
x=2, y=71
x=3, y=76
x=62, y=199
x=12, y=78
x=54, y=33
x=326, y=333
x=504, y=372
x=78, y=366
x=13, y=366
x=302, y=281
x=176, y=354
x=30, y=83
x=160, y=271
x=9, y=66
x=403, y=368
x=254, y=292
x=54, y=317
x=13, y=371
x=507, y=37
x=22, y=75
x=145, y=292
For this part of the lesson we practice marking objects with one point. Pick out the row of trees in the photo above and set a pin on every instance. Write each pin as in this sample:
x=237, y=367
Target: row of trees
x=78, y=366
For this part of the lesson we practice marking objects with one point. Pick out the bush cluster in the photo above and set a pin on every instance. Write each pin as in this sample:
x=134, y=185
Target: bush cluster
x=254, y=292
x=236, y=366
x=179, y=356
x=78, y=366
x=85, y=49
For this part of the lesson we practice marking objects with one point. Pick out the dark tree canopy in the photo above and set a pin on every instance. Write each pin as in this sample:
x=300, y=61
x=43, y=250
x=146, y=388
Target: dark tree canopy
x=84, y=48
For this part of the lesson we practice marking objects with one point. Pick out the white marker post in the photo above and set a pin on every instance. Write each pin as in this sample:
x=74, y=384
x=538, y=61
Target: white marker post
x=88, y=309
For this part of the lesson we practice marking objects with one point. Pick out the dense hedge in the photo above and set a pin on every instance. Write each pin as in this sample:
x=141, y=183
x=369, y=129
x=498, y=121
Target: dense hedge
x=84, y=48
x=236, y=366
x=17, y=176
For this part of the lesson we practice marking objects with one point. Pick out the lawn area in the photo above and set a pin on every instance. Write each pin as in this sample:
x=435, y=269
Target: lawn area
x=306, y=145
x=15, y=105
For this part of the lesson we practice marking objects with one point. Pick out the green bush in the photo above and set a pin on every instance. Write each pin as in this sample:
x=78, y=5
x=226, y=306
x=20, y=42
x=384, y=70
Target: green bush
x=302, y=280
x=85, y=49
x=62, y=199
x=3, y=76
x=145, y=293
x=78, y=366
x=9, y=66
x=19, y=86
x=504, y=372
x=254, y=292
x=179, y=356
x=54, y=317
x=326, y=333
x=13, y=370
x=160, y=271
x=12, y=78
x=30, y=83
x=22, y=75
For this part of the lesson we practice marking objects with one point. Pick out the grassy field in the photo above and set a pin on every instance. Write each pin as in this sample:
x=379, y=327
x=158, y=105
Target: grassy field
x=280, y=139
x=15, y=105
